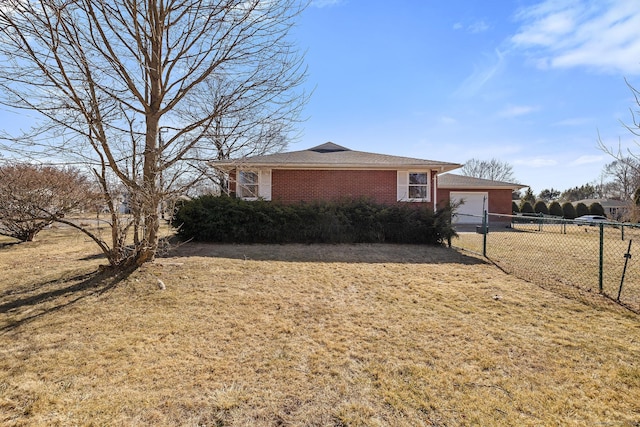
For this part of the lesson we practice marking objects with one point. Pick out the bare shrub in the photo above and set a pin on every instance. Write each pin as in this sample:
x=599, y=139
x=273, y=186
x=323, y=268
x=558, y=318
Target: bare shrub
x=34, y=196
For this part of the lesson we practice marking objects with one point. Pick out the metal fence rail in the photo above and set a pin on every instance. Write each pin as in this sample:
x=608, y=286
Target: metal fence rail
x=574, y=259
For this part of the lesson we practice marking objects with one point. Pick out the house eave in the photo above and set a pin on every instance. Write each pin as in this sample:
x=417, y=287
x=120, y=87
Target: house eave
x=484, y=187
x=440, y=168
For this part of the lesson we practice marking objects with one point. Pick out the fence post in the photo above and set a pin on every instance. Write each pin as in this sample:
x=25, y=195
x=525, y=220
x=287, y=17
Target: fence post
x=540, y=221
x=485, y=225
x=627, y=257
x=601, y=267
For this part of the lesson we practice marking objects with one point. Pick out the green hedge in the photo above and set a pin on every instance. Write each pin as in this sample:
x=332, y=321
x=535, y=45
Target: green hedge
x=231, y=220
x=569, y=210
x=555, y=209
x=541, y=207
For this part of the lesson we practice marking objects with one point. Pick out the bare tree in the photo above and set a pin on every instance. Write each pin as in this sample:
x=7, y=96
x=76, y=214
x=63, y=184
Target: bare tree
x=253, y=125
x=627, y=158
x=626, y=167
x=140, y=90
x=33, y=196
x=625, y=178
x=493, y=169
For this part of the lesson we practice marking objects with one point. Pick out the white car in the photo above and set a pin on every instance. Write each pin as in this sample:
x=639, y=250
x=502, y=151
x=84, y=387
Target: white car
x=590, y=219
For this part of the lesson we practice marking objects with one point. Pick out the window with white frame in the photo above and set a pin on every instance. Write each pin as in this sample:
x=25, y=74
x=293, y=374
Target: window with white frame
x=418, y=185
x=247, y=185
x=414, y=186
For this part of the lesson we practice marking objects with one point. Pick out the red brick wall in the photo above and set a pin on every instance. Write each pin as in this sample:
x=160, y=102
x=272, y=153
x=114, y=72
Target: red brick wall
x=291, y=186
x=500, y=202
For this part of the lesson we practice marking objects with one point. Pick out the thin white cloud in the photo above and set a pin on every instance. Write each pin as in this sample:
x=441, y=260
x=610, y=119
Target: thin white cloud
x=587, y=159
x=478, y=27
x=446, y=120
x=481, y=75
x=517, y=110
x=600, y=34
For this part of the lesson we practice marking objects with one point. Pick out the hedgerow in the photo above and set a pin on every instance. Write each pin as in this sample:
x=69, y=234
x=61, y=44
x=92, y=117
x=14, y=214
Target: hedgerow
x=232, y=220
x=555, y=209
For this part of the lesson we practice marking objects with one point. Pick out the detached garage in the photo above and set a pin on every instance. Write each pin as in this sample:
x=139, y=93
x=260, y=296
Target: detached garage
x=471, y=206
x=478, y=195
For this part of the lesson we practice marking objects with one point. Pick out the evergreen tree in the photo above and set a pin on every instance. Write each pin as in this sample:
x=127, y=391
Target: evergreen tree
x=582, y=209
x=574, y=194
x=541, y=207
x=549, y=195
x=569, y=211
x=555, y=209
x=526, y=207
x=596, y=209
x=528, y=197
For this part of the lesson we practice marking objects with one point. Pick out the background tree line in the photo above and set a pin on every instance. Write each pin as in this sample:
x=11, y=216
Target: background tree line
x=619, y=180
x=565, y=210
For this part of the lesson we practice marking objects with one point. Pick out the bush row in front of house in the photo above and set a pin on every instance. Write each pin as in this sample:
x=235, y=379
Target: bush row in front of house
x=231, y=220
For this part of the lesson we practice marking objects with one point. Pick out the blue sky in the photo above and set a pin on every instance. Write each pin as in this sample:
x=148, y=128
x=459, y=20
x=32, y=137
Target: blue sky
x=531, y=83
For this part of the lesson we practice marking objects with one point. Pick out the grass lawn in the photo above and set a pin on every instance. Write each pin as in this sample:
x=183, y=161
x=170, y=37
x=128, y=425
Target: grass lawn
x=289, y=335
x=566, y=261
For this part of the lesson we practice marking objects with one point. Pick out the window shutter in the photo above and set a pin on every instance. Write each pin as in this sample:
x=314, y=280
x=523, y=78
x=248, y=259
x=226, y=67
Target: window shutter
x=429, y=185
x=403, y=185
x=264, y=184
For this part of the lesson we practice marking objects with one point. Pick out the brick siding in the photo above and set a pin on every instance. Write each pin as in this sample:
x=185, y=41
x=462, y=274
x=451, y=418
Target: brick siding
x=291, y=186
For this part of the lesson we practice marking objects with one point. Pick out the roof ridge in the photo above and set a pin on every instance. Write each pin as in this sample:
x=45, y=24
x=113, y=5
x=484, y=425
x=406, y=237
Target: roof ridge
x=328, y=147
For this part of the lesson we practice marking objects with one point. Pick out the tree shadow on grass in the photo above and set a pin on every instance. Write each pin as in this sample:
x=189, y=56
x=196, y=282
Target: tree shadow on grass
x=9, y=244
x=92, y=257
x=48, y=297
x=378, y=253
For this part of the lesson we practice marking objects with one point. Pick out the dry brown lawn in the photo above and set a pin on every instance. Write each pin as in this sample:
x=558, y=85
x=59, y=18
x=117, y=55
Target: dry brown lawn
x=292, y=335
x=570, y=259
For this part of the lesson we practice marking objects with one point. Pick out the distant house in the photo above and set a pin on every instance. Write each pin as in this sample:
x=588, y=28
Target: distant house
x=614, y=209
x=330, y=171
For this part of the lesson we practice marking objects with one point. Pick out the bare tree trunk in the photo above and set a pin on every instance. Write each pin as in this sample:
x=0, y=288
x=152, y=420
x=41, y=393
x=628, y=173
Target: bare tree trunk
x=151, y=200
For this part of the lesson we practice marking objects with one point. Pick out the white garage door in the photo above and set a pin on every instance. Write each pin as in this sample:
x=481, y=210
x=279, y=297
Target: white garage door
x=471, y=211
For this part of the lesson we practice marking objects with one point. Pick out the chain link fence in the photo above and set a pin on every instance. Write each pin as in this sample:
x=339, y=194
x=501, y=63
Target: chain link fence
x=577, y=260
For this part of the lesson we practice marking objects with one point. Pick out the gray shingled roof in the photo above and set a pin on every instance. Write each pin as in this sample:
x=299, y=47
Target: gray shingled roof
x=330, y=155
x=450, y=180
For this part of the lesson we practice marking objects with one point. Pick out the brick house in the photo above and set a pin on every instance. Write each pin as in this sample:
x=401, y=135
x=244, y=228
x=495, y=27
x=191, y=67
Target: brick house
x=330, y=171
